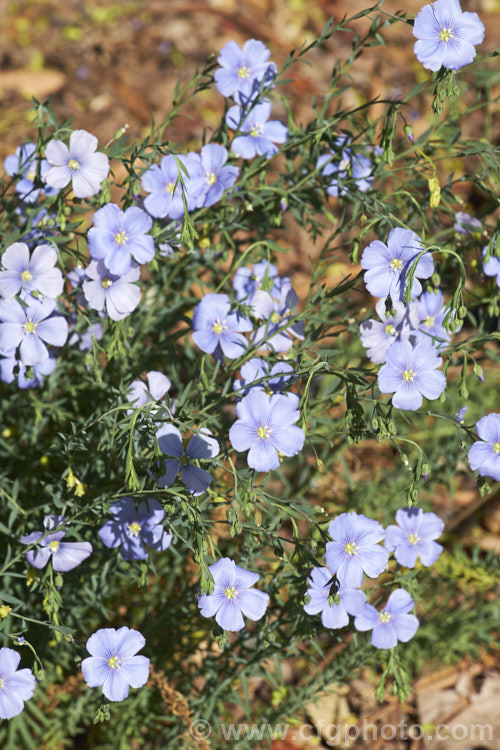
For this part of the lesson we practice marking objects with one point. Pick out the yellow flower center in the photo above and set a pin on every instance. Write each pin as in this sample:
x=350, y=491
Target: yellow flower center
x=29, y=327
x=31, y=176
x=121, y=238
x=264, y=431
x=106, y=283
x=170, y=187
x=351, y=548
x=396, y=264
x=2, y=682
x=26, y=275
x=429, y=321
x=113, y=662
x=275, y=317
x=219, y=326
x=211, y=178
x=384, y=616
x=389, y=329
x=496, y=447
x=73, y=164
x=231, y=593
x=408, y=375
x=53, y=546
x=446, y=35
x=134, y=528
x=243, y=72
x=413, y=538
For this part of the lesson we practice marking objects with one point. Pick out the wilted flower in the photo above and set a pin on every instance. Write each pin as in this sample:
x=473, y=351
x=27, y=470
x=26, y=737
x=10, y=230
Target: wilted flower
x=334, y=604
x=392, y=624
x=266, y=427
x=133, y=530
x=79, y=164
x=414, y=537
x=118, y=236
x=233, y=596
x=113, y=662
x=355, y=549
x=16, y=685
x=411, y=373
x=484, y=455
x=65, y=555
x=446, y=36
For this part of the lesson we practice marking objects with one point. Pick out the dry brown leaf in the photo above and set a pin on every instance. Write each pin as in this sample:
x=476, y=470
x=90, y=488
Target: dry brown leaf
x=28, y=83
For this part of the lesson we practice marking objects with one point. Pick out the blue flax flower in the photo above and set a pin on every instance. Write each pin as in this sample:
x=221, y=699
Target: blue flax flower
x=484, y=455
x=446, y=35
x=243, y=70
x=355, y=549
x=64, y=555
x=466, y=224
x=345, y=166
x=168, y=183
x=213, y=178
x=414, y=537
x=387, y=266
x=411, y=373
x=392, y=624
x=378, y=336
x=141, y=393
x=335, y=607
x=201, y=446
x=118, y=236
x=265, y=428
x=80, y=164
x=16, y=685
x=279, y=313
x=262, y=275
x=132, y=530
x=217, y=329
x=459, y=416
x=258, y=134
x=431, y=312
x=24, y=164
x=113, y=662
x=38, y=372
x=233, y=595
x=276, y=377
x=492, y=266
x=24, y=274
x=31, y=328
x=118, y=295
